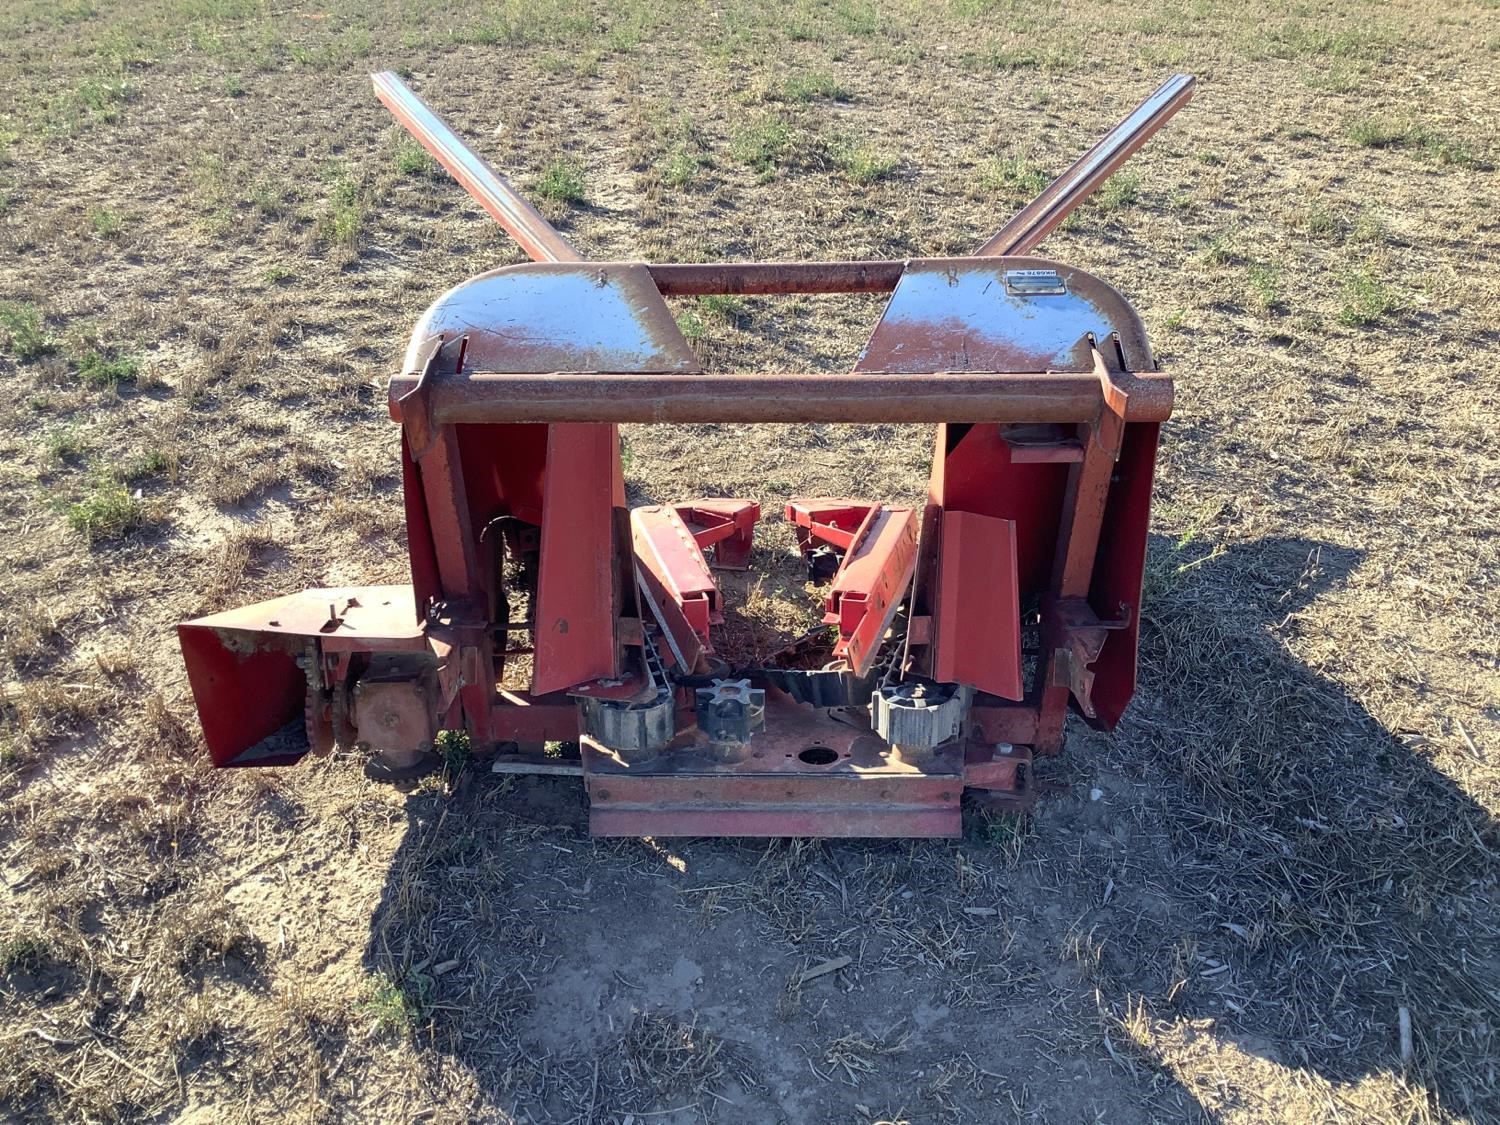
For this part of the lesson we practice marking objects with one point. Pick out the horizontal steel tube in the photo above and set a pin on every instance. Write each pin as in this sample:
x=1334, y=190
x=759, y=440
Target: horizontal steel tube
x=779, y=397
x=536, y=235
x=1046, y=212
x=692, y=279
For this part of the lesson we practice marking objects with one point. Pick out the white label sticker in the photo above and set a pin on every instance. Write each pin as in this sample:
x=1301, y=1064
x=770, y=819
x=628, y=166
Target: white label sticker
x=1034, y=282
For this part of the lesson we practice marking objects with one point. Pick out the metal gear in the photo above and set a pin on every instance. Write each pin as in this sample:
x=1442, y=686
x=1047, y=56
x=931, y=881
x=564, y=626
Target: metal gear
x=919, y=714
x=731, y=710
x=629, y=729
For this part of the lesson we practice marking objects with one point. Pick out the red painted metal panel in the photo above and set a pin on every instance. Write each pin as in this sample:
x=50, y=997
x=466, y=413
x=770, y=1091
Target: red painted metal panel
x=455, y=538
x=242, y=663
x=835, y=821
x=726, y=526
x=836, y=522
x=871, y=583
x=247, y=688
x=575, y=615
x=522, y=719
x=503, y=466
x=668, y=551
x=994, y=723
x=976, y=474
x=1119, y=569
x=977, y=611
x=424, y=567
x=804, y=804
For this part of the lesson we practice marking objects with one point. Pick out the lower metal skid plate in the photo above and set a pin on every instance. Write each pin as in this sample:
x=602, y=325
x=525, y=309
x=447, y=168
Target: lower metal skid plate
x=809, y=773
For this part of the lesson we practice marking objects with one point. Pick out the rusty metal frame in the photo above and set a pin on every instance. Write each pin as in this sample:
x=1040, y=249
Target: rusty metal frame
x=621, y=599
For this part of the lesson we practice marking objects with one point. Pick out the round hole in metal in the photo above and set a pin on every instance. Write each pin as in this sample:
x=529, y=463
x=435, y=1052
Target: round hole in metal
x=819, y=756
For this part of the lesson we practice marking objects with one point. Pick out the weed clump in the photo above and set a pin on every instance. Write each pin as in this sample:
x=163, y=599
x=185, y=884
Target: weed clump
x=562, y=182
x=25, y=336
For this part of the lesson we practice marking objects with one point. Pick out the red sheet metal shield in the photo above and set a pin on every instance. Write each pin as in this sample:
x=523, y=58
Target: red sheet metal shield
x=871, y=583
x=246, y=665
x=976, y=622
x=576, y=597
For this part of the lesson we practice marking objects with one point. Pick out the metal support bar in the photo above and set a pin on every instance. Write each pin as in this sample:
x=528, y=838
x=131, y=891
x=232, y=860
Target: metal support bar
x=536, y=235
x=779, y=397
x=874, y=575
x=665, y=547
x=692, y=279
x=724, y=526
x=1046, y=212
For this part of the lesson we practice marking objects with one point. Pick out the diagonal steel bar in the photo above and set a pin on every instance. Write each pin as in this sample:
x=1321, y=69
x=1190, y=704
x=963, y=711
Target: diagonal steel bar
x=536, y=235
x=1046, y=212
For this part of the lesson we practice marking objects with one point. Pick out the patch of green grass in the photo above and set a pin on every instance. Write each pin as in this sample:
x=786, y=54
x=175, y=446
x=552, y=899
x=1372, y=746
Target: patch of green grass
x=210, y=184
x=107, y=511
x=23, y=951
x=25, y=336
x=562, y=182
x=683, y=148
x=860, y=18
x=1318, y=222
x=1297, y=40
x=107, y=371
x=1367, y=299
x=1389, y=132
x=95, y=100
x=862, y=165
x=234, y=85
x=102, y=97
x=1211, y=158
x=346, y=209
x=691, y=326
x=338, y=53
x=394, y=1007
x=814, y=85
x=1379, y=132
x=1339, y=78
x=411, y=159
x=1177, y=321
x=151, y=463
x=455, y=749
x=725, y=307
x=275, y=275
x=66, y=444
x=271, y=198
x=1120, y=190
x=762, y=144
x=106, y=223
x=513, y=23
x=1265, y=287
x=1369, y=227
x=681, y=166
x=1014, y=178
x=1008, y=59
x=1222, y=249
x=1004, y=833
x=1446, y=150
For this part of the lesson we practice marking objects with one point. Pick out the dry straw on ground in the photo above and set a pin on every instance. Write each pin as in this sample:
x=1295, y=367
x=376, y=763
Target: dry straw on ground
x=214, y=242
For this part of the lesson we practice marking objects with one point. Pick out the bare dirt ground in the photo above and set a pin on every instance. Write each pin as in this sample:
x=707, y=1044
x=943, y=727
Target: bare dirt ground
x=213, y=242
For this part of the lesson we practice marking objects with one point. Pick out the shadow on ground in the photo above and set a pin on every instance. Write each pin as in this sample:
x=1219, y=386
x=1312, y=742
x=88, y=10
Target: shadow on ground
x=1251, y=873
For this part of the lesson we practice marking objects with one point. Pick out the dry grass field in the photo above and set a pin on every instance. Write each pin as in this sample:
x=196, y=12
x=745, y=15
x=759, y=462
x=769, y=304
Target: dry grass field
x=213, y=242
